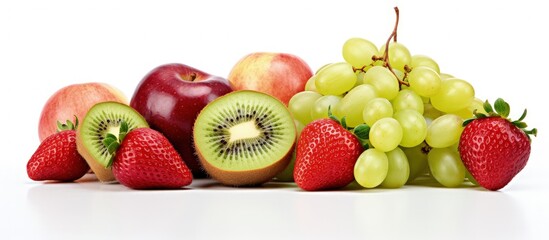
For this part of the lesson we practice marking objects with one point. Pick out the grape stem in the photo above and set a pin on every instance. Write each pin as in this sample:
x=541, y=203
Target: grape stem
x=393, y=37
x=426, y=149
x=397, y=12
x=359, y=69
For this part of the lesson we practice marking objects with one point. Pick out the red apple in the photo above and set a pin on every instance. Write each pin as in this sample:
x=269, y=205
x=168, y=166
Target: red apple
x=170, y=98
x=73, y=100
x=280, y=75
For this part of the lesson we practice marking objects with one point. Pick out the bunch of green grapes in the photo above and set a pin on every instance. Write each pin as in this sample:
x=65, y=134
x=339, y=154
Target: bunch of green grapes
x=414, y=112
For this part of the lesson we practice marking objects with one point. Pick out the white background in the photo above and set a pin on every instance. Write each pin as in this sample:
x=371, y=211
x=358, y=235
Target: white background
x=498, y=46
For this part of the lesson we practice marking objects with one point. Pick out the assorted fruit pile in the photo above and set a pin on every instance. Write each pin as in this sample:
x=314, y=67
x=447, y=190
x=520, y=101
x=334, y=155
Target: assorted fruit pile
x=382, y=117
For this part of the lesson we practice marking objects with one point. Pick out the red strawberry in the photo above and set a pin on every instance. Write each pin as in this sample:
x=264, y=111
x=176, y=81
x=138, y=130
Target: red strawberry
x=146, y=160
x=326, y=156
x=493, y=148
x=56, y=158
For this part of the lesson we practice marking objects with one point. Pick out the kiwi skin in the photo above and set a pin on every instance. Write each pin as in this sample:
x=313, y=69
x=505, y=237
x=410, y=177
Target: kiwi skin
x=244, y=178
x=104, y=174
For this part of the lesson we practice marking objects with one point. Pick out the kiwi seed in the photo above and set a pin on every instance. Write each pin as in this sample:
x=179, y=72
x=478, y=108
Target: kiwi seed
x=244, y=138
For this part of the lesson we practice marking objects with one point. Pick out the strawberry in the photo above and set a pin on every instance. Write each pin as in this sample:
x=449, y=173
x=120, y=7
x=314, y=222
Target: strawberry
x=493, y=148
x=145, y=159
x=326, y=155
x=57, y=158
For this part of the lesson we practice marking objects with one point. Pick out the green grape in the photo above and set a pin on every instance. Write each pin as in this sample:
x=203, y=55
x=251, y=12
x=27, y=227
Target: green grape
x=335, y=79
x=371, y=168
x=385, y=134
x=383, y=80
x=417, y=159
x=444, y=131
x=446, y=166
x=399, y=169
x=310, y=84
x=444, y=76
x=359, y=77
x=454, y=95
x=299, y=127
x=430, y=113
x=399, y=55
x=424, y=61
x=424, y=81
x=359, y=52
x=320, y=69
x=300, y=105
x=407, y=99
x=399, y=74
x=320, y=108
x=353, y=103
x=471, y=178
x=467, y=112
x=414, y=127
x=376, y=109
x=455, y=147
x=477, y=105
x=380, y=63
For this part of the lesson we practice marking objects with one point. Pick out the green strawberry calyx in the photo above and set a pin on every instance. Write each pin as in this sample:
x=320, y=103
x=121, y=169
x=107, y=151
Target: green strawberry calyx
x=68, y=125
x=361, y=131
x=502, y=109
x=112, y=142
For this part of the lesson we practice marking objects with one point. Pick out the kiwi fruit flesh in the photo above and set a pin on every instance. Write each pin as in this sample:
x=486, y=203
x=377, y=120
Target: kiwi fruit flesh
x=244, y=138
x=103, y=118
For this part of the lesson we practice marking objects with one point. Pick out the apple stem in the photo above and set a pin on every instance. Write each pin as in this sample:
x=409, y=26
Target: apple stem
x=193, y=77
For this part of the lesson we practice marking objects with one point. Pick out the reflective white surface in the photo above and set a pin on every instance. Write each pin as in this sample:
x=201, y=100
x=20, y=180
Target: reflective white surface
x=207, y=210
x=501, y=48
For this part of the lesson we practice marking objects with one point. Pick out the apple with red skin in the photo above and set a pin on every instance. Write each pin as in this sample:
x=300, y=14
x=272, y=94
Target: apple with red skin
x=170, y=97
x=74, y=100
x=280, y=75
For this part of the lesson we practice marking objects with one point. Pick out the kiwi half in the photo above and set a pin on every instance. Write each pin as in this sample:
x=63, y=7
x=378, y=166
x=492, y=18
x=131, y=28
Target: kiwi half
x=103, y=118
x=244, y=138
